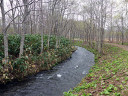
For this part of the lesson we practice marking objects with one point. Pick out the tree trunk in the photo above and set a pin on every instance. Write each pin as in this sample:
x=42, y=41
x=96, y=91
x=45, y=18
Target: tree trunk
x=4, y=32
x=24, y=27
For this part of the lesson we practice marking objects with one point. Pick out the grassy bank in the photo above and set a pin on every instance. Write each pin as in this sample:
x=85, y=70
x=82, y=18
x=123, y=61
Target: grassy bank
x=125, y=43
x=32, y=61
x=108, y=77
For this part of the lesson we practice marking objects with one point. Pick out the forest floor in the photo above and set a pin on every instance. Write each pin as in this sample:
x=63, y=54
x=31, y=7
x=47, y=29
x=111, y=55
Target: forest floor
x=109, y=75
x=125, y=47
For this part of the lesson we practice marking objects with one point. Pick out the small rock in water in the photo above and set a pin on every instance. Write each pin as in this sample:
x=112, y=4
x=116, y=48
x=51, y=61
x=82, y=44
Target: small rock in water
x=59, y=75
x=76, y=66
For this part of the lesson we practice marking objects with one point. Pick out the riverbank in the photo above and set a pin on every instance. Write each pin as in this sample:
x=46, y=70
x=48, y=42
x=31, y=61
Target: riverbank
x=53, y=82
x=109, y=76
x=33, y=61
x=124, y=47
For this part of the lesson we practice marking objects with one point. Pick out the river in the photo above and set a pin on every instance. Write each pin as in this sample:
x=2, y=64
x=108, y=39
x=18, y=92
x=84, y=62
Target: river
x=56, y=81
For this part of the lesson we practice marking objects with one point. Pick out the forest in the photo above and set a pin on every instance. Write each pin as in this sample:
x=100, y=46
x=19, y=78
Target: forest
x=39, y=35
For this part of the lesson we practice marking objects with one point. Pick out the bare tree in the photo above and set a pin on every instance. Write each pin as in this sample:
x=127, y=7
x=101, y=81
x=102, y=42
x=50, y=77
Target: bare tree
x=24, y=27
x=4, y=31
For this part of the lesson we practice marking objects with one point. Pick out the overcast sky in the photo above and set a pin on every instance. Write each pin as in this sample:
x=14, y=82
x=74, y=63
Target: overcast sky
x=80, y=2
x=80, y=5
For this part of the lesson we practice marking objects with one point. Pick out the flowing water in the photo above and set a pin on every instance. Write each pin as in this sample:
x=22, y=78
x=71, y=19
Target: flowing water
x=56, y=81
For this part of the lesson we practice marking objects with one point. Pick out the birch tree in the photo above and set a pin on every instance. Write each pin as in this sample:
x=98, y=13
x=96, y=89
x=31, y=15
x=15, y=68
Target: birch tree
x=4, y=31
x=24, y=27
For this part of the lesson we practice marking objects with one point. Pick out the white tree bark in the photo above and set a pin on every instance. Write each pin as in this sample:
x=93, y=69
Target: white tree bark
x=4, y=31
x=24, y=27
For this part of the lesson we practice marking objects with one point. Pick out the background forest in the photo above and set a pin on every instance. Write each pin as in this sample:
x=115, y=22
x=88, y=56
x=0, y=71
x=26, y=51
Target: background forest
x=36, y=26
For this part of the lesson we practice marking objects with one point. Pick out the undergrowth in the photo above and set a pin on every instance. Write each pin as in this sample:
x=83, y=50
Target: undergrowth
x=32, y=60
x=108, y=77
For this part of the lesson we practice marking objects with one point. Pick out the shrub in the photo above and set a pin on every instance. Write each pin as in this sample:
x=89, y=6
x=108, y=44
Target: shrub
x=32, y=61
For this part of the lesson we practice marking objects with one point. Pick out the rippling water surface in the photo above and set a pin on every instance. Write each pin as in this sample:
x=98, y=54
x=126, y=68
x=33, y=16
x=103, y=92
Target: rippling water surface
x=54, y=82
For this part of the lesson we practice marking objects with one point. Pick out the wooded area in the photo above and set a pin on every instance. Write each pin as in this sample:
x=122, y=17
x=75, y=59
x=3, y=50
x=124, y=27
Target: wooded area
x=93, y=20
x=32, y=36
x=36, y=35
